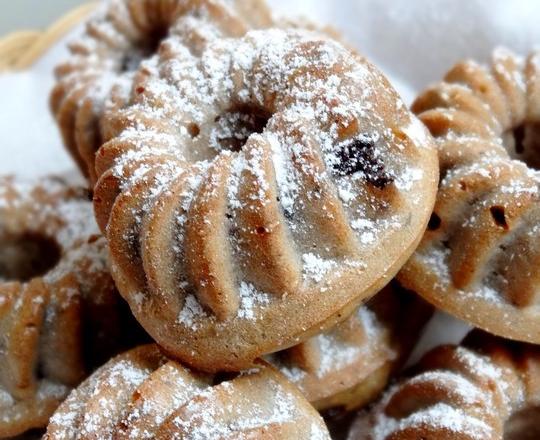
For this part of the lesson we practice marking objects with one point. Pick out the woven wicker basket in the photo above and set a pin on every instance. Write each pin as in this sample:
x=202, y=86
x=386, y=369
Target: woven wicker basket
x=18, y=51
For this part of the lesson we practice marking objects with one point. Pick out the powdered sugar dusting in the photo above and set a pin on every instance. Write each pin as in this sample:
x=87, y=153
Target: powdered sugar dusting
x=250, y=300
x=316, y=268
x=440, y=416
x=207, y=421
x=455, y=383
x=291, y=119
x=337, y=353
x=158, y=404
x=436, y=257
x=133, y=397
x=468, y=393
x=50, y=209
x=118, y=382
x=191, y=311
x=338, y=350
x=484, y=192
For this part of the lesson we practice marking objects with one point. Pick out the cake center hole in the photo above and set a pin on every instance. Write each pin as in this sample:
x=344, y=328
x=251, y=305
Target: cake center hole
x=234, y=127
x=27, y=256
x=523, y=143
x=148, y=46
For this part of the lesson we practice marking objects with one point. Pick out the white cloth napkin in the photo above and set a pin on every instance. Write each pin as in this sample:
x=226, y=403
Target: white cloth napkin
x=413, y=41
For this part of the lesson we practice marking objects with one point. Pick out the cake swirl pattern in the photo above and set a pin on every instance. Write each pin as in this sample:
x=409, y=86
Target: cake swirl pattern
x=348, y=366
x=480, y=256
x=487, y=388
x=143, y=395
x=270, y=182
x=60, y=313
x=99, y=73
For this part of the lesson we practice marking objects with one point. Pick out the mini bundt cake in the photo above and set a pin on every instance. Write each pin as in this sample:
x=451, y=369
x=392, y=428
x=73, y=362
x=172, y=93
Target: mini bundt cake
x=143, y=395
x=60, y=313
x=486, y=389
x=348, y=366
x=479, y=259
x=98, y=75
x=256, y=193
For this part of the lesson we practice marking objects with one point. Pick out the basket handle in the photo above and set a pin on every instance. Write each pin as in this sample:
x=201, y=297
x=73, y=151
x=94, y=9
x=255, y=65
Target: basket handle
x=19, y=50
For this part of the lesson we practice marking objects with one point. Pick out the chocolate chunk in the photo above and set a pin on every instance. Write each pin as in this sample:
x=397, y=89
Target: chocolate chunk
x=359, y=156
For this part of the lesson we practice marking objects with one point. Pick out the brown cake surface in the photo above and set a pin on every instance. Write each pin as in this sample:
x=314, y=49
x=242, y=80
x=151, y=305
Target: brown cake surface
x=98, y=75
x=255, y=193
x=479, y=258
x=60, y=314
x=143, y=395
x=348, y=366
x=487, y=388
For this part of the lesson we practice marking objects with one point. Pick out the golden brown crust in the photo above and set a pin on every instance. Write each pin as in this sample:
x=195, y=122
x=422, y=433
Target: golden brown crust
x=474, y=391
x=480, y=255
x=242, y=221
x=60, y=314
x=99, y=74
x=143, y=395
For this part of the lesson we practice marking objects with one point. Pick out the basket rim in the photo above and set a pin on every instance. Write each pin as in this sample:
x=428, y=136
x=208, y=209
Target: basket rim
x=19, y=50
